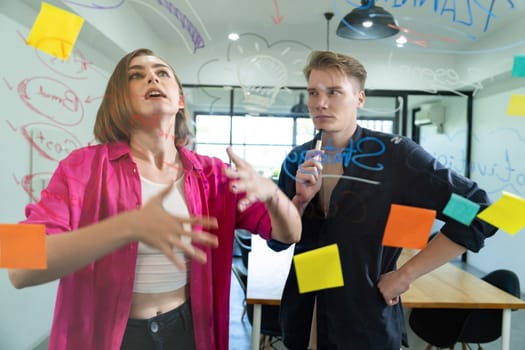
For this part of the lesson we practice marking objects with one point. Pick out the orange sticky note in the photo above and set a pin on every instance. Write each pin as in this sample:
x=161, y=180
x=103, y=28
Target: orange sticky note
x=408, y=227
x=23, y=246
x=55, y=31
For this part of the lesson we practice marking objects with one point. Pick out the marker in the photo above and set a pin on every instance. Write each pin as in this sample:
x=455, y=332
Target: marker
x=319, y=141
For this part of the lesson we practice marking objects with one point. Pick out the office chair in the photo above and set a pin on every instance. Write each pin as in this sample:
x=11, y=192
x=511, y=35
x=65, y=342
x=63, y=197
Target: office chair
x=444, y=328
x=270, y=326
x=483, y=325
x=242, y=278
x=243, y=239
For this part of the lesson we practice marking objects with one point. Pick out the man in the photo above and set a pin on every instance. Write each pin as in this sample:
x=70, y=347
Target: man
x=344, y=194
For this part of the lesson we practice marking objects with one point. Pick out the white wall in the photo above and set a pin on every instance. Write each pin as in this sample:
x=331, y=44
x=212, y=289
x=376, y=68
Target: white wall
x=498, y=165
x=60, y=99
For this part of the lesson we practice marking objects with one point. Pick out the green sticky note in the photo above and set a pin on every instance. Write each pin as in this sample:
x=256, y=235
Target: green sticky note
x=518, y=69
x=461, y=209
x=318, y=269
x=506, y=213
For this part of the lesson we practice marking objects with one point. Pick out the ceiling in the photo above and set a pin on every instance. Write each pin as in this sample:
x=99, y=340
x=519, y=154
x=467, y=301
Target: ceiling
x=276, y=36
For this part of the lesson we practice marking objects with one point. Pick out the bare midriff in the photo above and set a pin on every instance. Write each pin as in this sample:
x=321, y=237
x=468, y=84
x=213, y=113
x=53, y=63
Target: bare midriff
x=148, y=305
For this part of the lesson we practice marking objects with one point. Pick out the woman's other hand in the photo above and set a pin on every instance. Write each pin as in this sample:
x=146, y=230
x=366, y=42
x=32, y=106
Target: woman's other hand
x=154, y=226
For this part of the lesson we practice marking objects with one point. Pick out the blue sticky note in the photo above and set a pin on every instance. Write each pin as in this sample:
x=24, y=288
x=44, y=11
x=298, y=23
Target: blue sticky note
x=518, y=69
x=461, y=209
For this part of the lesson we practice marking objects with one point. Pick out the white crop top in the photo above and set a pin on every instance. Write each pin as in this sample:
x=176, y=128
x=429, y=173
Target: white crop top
x=155, y=273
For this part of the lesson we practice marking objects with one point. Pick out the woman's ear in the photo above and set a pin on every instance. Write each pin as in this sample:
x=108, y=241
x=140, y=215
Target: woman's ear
x=181, y=101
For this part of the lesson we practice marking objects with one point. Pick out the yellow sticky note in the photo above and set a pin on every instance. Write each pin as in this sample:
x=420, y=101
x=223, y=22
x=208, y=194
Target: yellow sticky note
x=318, y=269
x=23, y=246
x=507, y=213
x=516, y=105
x=55, y=31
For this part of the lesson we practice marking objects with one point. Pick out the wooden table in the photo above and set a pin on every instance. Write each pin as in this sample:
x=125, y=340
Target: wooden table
x=451, y=287
x=446, y=287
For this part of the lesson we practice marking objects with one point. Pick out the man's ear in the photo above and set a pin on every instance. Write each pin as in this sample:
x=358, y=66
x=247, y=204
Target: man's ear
x=361, y=97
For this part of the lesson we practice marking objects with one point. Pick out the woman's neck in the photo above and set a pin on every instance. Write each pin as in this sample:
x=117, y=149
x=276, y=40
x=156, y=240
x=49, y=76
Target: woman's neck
x=155, y=150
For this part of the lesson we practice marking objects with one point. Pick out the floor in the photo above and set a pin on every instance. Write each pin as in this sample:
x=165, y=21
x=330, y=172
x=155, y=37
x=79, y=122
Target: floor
x=240, y=330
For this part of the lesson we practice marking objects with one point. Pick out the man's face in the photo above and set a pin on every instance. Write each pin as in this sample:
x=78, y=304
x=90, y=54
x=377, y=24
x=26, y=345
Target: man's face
x=333, y=100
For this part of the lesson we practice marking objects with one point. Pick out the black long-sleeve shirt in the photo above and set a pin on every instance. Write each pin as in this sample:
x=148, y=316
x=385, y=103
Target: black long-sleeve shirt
x=379, y=170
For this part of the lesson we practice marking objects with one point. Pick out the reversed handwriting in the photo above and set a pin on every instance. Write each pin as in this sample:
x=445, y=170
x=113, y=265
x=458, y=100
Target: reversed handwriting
x=52, y=99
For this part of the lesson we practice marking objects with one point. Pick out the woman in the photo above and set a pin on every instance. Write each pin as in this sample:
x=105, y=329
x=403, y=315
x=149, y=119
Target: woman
x=125, y=223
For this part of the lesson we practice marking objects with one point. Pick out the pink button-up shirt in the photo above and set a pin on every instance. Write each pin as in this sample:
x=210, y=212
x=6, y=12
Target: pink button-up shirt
x=93, y=303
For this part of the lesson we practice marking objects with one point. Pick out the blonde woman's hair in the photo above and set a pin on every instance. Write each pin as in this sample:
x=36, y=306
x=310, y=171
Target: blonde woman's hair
x=114, y=116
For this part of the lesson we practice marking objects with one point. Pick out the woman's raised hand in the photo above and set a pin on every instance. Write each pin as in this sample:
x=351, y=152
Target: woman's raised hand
x=244, y=178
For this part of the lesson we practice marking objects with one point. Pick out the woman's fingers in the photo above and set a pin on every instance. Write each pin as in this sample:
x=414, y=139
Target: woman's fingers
x=242, y=170
x=238, y=161
x=245, y=179
x=204, y=237
x=168, y=252
x=175, y=241
x=245, y=202
x=196, y=235
x=200, y=236
x=189, y=250
x=204, y=221
x=161, y=229
x=234, y=174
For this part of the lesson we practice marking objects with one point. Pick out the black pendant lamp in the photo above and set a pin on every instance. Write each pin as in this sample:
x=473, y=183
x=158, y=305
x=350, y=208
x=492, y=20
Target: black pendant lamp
x=368, y=22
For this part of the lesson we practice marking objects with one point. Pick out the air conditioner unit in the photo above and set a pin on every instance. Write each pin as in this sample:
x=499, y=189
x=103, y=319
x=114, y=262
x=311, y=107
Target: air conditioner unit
x=431, y=114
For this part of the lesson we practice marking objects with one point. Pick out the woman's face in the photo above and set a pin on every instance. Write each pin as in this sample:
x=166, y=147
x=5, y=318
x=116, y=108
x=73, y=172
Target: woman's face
x=153, y=89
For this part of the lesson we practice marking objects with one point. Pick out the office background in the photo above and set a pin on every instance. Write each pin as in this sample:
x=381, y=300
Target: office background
x=455, y=66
